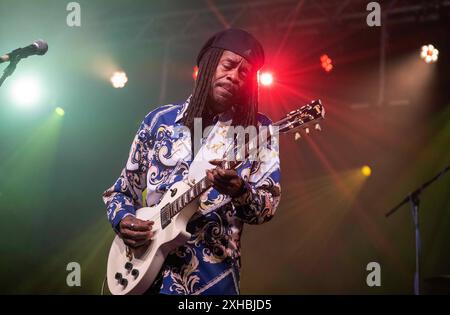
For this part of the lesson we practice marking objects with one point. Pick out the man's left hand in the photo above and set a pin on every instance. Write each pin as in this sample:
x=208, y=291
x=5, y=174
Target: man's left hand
x=225, y=181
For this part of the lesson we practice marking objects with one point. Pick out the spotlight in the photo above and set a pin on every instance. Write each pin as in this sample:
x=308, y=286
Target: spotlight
x=326, y=62
x=366, y=170
x=265, y=78
x=59, y=111
x=195, y=73
x=25, y=91
x=119, y=79
x=429, y=53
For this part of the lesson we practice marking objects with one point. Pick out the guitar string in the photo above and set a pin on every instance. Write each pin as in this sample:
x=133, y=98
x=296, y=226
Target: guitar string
x=157, y=217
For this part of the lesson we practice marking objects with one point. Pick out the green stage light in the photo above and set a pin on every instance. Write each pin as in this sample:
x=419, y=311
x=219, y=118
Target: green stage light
x=59, y=111
x=25, y=91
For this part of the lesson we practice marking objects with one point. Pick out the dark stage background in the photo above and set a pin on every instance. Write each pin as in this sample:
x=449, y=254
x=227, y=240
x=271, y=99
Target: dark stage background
x=330, y=223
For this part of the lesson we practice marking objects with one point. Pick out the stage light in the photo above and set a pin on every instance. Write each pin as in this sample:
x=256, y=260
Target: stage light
x=429, y=53
x=366, y=170
x=59, y=111
x=195, y=73
x=265, y=78
x=326, y=62
x=119, y=79
x=25, y=91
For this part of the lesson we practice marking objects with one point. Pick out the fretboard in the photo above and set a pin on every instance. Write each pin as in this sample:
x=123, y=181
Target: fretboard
x=170, y=210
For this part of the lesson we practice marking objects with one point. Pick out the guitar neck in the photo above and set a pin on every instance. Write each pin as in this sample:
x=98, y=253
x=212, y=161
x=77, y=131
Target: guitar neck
x=172, y=209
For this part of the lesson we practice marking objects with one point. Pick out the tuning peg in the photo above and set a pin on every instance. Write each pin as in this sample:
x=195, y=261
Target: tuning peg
x=317, y=127
x=297, y=136
x=307, y=131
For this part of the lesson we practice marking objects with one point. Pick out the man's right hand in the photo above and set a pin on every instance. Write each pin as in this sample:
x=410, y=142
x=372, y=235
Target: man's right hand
x=135, y=232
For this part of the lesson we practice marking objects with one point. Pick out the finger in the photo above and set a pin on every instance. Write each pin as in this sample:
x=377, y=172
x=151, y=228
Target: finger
x=139, y=222
x=136, y=220
x=227, y=173
x=210, y=176
x=222, y=181
x=137, y=225
x=216, y=162
x=227, y=177
x=223, y=189
x=128, y=242
x=146, y=241
x=141, y=243
x=135, y=235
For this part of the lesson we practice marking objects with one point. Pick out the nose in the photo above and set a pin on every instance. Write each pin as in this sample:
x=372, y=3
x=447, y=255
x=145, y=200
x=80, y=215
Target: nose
x=233, y=76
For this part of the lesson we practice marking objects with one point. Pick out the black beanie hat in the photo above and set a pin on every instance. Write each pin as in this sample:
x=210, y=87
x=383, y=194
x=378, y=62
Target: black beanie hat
x=238, y=41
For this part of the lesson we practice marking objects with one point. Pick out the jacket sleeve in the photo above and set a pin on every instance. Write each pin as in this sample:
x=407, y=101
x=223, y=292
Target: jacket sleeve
x=125, y=196
x=262, y=193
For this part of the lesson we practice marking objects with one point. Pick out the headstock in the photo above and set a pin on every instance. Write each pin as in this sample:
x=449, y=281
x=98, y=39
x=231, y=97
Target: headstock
x=303, y=117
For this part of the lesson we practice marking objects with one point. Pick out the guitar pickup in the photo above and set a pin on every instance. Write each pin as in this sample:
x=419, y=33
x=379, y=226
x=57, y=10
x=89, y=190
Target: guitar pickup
x=165, y=216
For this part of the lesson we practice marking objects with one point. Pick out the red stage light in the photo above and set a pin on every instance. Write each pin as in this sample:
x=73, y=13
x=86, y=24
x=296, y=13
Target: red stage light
x=327, y=63
x=265, y=78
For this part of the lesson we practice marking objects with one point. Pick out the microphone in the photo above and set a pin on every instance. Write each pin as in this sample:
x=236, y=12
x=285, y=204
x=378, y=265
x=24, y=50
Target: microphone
x=39, y=47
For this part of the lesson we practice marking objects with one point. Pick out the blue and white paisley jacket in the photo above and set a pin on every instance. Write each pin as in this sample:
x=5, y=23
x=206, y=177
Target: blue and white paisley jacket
x=209, y=263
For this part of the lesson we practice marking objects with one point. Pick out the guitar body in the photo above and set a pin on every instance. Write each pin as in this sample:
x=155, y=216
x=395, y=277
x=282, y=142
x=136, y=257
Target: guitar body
x=148, y=261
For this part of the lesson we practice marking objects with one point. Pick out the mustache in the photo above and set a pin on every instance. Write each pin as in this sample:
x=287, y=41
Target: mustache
x=227, y=86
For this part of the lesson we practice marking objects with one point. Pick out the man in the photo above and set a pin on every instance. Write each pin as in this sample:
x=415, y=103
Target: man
x=225, y=94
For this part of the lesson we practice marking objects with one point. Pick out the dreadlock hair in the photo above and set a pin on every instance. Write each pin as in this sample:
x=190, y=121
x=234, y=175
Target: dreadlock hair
x=244, y=112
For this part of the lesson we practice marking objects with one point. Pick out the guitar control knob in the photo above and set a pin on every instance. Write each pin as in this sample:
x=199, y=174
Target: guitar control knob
x=135, y=273
x=128, y=266
x=124, y=282
x=118, y=276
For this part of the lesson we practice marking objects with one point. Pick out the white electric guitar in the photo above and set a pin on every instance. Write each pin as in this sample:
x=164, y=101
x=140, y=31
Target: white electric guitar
x=132, y=271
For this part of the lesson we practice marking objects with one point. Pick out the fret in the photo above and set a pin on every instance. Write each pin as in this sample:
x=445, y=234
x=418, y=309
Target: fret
x=179, y=203
x=202, y=185
x=174, y=209
x=197, y=189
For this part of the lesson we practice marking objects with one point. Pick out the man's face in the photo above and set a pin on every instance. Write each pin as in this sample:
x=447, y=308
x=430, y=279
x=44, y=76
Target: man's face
x=228, y=86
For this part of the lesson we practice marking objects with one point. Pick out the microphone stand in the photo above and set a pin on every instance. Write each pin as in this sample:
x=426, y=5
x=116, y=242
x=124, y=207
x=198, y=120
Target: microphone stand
x=9, y=69
x=414, y=201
